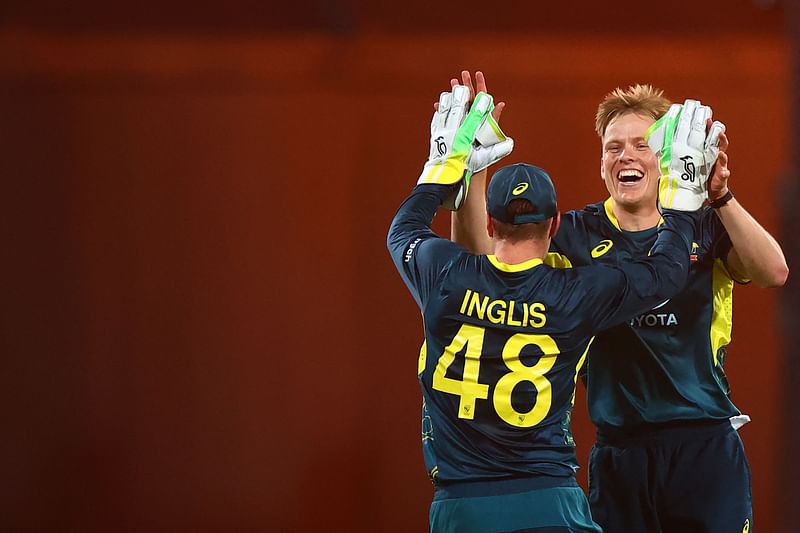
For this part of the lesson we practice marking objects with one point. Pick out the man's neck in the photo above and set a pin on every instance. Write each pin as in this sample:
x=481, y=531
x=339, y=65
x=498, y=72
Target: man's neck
x=519, y=252
x=636, y=218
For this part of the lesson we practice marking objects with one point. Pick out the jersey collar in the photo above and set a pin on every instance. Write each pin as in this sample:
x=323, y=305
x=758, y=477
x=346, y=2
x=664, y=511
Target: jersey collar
x=608, y=206
x=519, y=267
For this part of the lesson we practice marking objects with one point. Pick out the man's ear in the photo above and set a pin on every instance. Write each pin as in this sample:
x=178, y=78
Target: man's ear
x=602, y=170
x=489, y=225
x=556, y=223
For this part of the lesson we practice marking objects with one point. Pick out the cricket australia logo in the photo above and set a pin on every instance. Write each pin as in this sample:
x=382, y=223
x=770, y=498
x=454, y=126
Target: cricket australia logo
x=441, y=147
x=693, y=255
x=688, y=169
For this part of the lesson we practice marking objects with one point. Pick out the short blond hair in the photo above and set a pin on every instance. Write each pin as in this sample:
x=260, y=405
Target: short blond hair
x=640, y=99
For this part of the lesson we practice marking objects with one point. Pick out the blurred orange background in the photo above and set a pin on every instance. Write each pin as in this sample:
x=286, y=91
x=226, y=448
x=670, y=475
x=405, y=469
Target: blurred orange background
x=202, y=328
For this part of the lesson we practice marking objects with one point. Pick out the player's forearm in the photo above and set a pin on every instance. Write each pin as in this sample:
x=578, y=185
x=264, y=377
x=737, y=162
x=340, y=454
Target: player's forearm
x=756, y=255
x=670, y=253
x=468, y=225
x=414, y=218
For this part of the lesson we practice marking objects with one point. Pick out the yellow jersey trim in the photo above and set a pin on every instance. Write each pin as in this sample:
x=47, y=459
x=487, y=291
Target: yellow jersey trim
x=519, y=267
x=556, y=260
x=722, y=312
x=578, y=367
x=608, y=205
x=423, y=357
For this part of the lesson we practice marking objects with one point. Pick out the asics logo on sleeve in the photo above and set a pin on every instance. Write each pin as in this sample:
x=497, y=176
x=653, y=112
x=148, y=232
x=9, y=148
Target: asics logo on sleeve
x=688, y=169
x=441, y=147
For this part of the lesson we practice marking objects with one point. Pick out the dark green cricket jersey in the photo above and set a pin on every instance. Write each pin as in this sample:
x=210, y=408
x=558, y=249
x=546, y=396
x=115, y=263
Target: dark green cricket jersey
x=666, y=363
x=504, y=343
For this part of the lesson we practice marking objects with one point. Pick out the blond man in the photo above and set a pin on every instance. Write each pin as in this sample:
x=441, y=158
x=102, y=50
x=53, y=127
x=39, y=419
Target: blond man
x=667, y=457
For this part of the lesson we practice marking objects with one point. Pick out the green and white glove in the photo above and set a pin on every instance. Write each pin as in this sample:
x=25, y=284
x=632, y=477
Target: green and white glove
x=493, y=145
x=452, y=141
x=686, y=154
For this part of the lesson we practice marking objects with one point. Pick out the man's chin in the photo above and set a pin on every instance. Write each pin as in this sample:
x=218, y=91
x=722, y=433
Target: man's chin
x=630, y=199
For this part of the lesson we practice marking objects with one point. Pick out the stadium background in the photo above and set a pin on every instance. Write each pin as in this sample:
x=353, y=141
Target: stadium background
x=201, y=328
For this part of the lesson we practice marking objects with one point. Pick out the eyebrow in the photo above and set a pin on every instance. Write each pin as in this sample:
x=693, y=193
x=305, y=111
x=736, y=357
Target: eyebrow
x=621, y=140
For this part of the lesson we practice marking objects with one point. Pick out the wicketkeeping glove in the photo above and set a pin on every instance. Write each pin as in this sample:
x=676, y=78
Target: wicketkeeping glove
x=493, y=145
x=452, y=141
x=686, y=154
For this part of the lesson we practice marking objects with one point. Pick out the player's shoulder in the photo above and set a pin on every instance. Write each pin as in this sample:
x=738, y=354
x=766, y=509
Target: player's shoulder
x=584, y=282
x=589, y=212
x=579, y=224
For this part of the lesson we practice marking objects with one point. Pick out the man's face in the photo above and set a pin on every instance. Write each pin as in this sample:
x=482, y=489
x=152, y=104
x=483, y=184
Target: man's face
x=628, y=166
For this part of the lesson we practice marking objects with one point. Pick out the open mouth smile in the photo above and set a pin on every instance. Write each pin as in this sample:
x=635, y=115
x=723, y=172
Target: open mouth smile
x=630, y=176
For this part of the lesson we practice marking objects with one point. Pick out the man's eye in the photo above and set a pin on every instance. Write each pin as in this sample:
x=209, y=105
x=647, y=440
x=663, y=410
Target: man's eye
x=643, y=146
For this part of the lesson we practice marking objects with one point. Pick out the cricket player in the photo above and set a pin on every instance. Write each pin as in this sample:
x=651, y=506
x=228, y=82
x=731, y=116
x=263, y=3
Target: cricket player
x=506, y=334
x=667, y=456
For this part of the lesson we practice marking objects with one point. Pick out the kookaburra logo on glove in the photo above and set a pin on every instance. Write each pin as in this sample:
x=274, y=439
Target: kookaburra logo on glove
x=441, y=147
x=462, y=142
x=688, y=169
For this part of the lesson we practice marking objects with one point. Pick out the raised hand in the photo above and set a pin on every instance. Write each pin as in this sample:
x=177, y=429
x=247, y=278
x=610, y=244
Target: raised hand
x=452, y=140
x=480, y=85
x=687, y=152
x=718, y=182
x=493, y=145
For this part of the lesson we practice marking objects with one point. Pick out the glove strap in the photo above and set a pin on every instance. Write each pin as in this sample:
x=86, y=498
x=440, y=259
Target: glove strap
x=722, y=200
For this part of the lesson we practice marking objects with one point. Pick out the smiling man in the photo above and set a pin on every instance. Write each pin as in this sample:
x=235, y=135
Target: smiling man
x=667, y=456
x=628, y=166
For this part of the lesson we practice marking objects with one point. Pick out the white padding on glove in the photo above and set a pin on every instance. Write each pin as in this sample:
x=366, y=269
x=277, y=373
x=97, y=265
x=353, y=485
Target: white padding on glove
x=686, y=154
x=453, y=133
x=493, y=145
